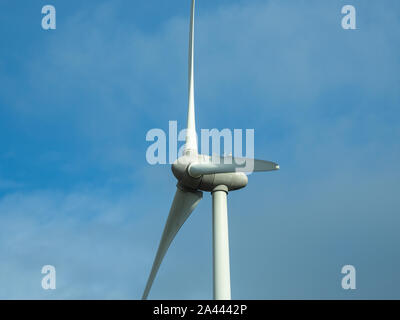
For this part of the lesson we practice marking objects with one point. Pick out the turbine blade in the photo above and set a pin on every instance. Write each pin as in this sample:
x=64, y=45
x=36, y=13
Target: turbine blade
x=230, y=164
x=182, y=206
x=191, y=137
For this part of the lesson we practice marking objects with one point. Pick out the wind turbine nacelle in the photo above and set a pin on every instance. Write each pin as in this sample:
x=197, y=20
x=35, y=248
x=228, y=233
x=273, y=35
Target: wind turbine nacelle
x=206, y=182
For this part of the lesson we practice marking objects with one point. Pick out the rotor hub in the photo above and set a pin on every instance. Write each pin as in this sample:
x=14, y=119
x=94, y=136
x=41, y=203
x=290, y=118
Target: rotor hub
x=206, y=182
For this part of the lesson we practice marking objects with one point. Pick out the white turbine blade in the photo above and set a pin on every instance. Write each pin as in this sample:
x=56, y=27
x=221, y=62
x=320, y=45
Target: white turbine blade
x=229, y=164
x=183, y=205
x=191, y=138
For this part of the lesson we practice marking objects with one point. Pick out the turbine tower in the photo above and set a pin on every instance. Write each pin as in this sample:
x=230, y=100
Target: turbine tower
x=196, y=173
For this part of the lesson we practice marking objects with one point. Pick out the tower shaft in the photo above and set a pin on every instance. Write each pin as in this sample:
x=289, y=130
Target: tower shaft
x=221, y=270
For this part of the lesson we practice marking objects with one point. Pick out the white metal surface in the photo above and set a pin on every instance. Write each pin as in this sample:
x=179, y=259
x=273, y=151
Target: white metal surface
x=221, y=270
x=191, y=137
x=229, y=164
x=182, y=206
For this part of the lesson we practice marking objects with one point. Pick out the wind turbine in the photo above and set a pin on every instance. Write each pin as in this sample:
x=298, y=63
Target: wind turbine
x=196, y=173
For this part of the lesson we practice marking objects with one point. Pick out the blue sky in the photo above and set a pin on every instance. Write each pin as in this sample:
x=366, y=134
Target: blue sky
x=76, y=103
